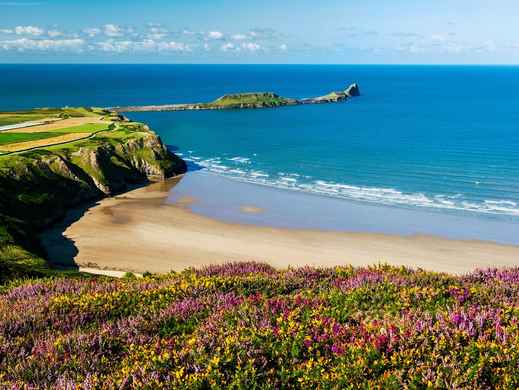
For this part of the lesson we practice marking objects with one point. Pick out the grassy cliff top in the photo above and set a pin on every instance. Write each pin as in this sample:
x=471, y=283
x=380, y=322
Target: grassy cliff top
x=250, y=98
x=69, y=157
x=10, y=118
x=43, y=128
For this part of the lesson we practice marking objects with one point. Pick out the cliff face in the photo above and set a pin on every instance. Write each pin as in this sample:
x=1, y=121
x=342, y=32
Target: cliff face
x=38, y=187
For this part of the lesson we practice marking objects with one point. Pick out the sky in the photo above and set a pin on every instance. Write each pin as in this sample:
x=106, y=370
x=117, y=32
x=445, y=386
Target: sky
x=267, y=31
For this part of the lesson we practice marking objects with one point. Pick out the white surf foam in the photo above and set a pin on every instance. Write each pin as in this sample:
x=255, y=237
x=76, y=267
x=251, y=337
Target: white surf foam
x=235, y=168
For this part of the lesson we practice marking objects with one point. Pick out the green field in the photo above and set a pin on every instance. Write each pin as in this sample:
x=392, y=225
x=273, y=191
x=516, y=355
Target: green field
x=86, y=128
x=7, y=138
x=263, y=98
x=13, y=138
x=11, y=118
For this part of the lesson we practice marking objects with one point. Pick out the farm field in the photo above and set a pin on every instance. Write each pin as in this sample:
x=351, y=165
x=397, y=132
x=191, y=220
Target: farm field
x=13, y=138
x=11, y=118
x=54, y=131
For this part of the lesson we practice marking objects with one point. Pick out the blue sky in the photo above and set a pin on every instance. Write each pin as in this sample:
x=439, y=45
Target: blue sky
x=268, y=31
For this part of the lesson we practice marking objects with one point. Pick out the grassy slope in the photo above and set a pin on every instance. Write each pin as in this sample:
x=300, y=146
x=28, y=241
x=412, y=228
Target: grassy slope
x=37, y=186
x=262, y=98
x=15, y=261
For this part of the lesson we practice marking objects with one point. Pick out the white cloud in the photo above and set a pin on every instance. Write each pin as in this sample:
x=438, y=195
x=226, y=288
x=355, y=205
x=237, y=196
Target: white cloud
x=54, y=33
x=251, y=46
x=148, y=38
x=23, y=44
x=157, y=29
x=145, y=45
x=448, y=43
x=91, y=32
x=28, y=30
x=239, y=37
x=215, y=35
x=112, y=30
x=157, y=33
x=156, y=36
x=114, y=46
x=173, y=46
x=227, y=46
x=488, y=46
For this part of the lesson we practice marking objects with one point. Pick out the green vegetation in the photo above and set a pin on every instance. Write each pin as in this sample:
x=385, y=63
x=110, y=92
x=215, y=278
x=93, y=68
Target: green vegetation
x=248, y=100
x=13, y=138
x=38, y=186
x=66, y=134
x=253, y=99
x=15, y=261
x=86, y=128
x=11, y=118
x=250, y=326
x=237, y=325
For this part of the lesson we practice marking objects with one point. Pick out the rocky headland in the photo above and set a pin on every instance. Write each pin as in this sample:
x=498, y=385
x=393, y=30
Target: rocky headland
x=38, y=187
x=248, y=100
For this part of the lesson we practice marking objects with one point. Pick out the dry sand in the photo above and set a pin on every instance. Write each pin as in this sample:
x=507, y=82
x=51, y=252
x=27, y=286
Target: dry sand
x=138, y=232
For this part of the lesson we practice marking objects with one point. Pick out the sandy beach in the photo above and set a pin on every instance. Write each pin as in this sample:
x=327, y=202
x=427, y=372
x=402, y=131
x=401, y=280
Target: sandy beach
x=139, y=232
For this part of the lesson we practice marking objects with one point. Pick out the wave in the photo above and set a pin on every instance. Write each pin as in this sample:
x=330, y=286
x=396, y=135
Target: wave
x=240, y=168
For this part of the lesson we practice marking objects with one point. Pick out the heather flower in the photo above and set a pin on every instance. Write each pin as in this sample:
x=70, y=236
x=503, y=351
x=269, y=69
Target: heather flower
x=248, y=325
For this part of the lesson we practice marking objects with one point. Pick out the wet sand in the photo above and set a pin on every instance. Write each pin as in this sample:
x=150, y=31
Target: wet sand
x=139, y=231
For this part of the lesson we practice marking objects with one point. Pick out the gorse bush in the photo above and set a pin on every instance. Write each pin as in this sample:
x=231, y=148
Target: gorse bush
x=246, y=325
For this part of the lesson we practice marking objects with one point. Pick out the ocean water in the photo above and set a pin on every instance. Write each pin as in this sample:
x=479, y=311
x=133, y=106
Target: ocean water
x=439, y=138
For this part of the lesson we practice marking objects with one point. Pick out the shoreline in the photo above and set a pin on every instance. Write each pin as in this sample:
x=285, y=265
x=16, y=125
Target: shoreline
x=233, y=200
x=139, y=231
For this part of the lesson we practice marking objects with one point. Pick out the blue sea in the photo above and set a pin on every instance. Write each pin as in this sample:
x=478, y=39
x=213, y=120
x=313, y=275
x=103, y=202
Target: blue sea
x=441, y=139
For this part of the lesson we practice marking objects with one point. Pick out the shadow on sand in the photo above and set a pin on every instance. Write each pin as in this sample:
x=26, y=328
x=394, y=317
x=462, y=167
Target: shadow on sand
x=61, y=251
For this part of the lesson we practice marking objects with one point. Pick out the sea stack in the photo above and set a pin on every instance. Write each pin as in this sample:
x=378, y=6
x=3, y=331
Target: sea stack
x=352, y=90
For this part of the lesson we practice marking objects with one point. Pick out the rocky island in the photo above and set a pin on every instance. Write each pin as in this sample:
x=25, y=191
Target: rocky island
x=248, y=100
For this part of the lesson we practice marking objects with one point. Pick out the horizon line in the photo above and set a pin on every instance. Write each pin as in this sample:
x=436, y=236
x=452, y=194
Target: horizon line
x=257, y=64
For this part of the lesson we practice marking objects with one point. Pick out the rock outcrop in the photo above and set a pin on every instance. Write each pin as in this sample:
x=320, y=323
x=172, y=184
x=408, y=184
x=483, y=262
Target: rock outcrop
x=353, y=90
